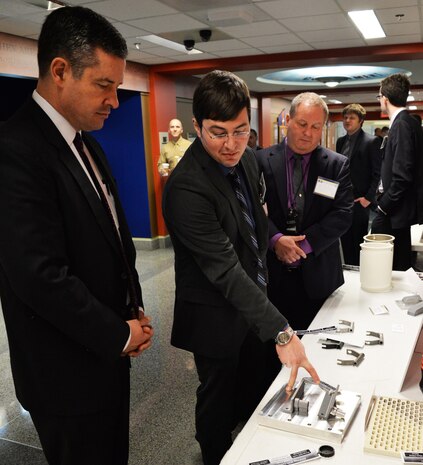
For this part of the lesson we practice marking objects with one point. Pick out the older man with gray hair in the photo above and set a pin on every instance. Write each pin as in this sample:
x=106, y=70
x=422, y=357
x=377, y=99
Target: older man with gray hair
x=309, y=202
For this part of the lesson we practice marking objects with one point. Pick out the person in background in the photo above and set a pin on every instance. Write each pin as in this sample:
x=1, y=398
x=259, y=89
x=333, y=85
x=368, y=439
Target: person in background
x=70, y=294
x=309, y=201
x=252, y=140
x=401, y=203
x=378, y=133
x=212, y=209
x=173, y=150
x=364, y=154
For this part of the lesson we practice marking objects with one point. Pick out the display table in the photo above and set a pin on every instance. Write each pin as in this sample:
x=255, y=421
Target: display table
x=391, y=369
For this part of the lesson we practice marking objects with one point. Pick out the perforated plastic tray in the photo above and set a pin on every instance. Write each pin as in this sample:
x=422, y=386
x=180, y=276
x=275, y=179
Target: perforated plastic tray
x=394, y=425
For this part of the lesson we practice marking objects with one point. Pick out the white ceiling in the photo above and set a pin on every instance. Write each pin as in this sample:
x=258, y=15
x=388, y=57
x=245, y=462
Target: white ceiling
x=277, y=26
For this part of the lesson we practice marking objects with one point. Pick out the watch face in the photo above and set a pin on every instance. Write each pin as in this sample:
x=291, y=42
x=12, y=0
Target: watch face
x=283, y=338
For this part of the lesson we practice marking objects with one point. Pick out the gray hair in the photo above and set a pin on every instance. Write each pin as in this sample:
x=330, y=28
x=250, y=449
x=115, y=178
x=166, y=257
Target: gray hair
x=310, y=98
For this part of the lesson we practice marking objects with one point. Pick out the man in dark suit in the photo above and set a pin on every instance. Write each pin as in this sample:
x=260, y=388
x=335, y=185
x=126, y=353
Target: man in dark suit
x=212, y=209
x=364, y=154
x=401, y=203
x=70, y=293
x=309, y=203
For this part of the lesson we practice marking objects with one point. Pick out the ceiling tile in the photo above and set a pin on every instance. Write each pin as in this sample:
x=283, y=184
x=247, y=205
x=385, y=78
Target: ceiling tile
x=387, y=15
x=129, y=31
x=204, y=56
x=169, y=23
x=20, y=28
x=269, y=41
x=293, y=8
x=314, y=23
x=17, y=7
x=256, y=29
x=130, y=9
x=323, y=45
x=349, y=5
x=400, y=29
x=238, y=53
x=402, y=39
x=188, y=6
x=329, y=34
x=285, y=48
x=217, y=45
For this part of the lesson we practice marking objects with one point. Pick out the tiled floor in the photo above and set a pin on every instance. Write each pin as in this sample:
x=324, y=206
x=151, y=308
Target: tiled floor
x=163, y=387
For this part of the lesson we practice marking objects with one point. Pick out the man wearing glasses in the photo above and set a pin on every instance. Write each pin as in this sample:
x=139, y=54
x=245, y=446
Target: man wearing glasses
x=218, y=228
x=401, y=203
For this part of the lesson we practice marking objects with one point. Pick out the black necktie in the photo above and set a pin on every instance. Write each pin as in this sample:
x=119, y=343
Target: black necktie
x=131, y=280
x=245, y=210
x=298, y=187
x=346, y=149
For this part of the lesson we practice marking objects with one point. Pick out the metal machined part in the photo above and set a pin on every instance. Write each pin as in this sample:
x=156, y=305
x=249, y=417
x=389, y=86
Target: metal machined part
x=349, y=326
x=359, y=357
x=374, y=342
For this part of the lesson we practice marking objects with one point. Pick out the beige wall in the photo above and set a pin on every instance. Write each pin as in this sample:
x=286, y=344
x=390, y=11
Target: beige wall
x=18, y=57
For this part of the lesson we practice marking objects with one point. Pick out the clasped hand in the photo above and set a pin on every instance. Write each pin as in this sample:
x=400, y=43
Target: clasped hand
x=287, y=249
x=141, y=335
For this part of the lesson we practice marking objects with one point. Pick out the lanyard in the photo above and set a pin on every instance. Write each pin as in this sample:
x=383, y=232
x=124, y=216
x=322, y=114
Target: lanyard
x=291, y=194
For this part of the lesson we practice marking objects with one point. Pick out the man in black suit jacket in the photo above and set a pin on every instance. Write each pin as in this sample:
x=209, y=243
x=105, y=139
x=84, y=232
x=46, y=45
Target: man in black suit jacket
x=305, y=222
x=401, y=203
x=363, y=151
x=219, y=233
x=67, y=264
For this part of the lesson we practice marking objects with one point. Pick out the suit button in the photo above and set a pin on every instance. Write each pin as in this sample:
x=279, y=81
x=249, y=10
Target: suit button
x=124, y=275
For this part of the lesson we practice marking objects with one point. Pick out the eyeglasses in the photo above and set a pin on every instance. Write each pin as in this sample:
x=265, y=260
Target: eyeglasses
x=379, y=96
x=225, y=135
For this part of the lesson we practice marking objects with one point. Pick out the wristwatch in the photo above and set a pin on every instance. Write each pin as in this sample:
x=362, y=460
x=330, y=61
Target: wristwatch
x=284, y=336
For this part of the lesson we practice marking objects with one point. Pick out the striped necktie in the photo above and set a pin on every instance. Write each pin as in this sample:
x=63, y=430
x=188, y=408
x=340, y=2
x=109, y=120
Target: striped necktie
x=245, y=210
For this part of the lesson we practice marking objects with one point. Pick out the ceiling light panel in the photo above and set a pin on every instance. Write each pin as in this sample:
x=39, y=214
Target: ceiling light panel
x=367, y=23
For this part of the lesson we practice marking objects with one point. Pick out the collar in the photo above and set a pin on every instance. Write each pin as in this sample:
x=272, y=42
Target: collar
x=290, y=152
x=395, y=114
x=65, y=128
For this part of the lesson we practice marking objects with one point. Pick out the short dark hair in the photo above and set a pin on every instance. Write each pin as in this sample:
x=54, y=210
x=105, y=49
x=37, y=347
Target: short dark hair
x=75, y=33
x=253, y=131
x=220, y=96
x=355, y=108
x=396, y=88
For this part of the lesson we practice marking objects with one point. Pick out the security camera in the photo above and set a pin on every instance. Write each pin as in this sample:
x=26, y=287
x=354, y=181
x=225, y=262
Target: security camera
x=205, y=34
x=189, y=44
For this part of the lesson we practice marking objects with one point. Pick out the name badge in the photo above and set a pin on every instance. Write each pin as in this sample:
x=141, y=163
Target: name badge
x=326, y=187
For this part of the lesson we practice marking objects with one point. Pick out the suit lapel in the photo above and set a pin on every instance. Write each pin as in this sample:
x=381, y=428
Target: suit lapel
x=214, y=174
x=104, y=169
x=318, y=164
x=72, y=164
x=65, y=154
x=277, y=163
x=357, y=144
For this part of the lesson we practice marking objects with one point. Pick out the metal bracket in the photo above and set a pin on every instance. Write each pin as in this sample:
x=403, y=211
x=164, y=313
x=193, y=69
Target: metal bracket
x=349, y=326
x=297, y=405
x=374, y=342
x=331, y=343
x=359, y=357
